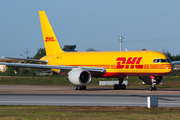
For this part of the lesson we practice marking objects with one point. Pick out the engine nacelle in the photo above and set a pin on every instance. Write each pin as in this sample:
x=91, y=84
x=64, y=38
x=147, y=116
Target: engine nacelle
x=148, y=80
x=79, y=77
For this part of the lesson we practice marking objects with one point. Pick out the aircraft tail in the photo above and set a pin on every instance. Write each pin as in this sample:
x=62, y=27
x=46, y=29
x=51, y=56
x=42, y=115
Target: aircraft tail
x=51, y=44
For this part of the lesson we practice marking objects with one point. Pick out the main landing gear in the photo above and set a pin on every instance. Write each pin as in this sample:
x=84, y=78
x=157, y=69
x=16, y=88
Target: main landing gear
x=120, y=86
x=79, y=87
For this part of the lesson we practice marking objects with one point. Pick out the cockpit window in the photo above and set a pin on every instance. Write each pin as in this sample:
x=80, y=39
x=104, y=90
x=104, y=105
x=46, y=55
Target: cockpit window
x=168, y=60
x=161, y=60
x=158, y=60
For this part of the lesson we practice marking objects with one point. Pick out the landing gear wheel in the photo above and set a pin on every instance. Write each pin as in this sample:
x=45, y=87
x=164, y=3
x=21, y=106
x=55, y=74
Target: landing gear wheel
x=115, y=87
x=155, y=88
x=119, y=87
x=76, y=87
x=82, y=87
x=123, y=86
x=152, y=88
x=79, y=87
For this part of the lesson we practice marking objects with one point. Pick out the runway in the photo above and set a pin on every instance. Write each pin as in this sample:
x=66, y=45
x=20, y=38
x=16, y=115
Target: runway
x=66, y=96
x=86, y=99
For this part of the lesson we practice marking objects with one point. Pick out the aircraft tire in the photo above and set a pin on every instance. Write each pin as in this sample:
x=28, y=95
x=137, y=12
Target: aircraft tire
x=75, y=87
x=79, y=87
x=123, y=86
x=115, y=87
x=82, y=87
x=152, y=88
x=119, y=87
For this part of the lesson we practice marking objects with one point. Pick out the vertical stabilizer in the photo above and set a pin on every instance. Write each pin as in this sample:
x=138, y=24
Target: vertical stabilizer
x=50, y=41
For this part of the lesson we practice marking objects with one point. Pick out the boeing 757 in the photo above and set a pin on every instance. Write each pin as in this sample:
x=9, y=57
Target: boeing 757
x=80, y=67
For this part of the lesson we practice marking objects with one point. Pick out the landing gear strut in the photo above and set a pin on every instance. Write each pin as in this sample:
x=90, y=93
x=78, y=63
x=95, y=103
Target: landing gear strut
x=79, y=87
x=120, y=86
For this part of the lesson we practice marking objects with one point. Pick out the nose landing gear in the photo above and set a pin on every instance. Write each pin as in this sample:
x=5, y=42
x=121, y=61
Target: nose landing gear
x=152, y=88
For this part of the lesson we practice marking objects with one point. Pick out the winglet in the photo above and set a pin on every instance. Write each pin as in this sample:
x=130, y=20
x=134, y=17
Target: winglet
x=52, y=46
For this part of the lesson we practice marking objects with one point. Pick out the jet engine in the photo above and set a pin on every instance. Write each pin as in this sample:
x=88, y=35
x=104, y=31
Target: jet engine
x=148, y=80
x=79, y=77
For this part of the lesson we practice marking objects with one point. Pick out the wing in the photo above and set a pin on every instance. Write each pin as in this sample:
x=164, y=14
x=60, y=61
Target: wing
x=7, y=60
x=67, y=68
x=175, y=62
x=33, y=60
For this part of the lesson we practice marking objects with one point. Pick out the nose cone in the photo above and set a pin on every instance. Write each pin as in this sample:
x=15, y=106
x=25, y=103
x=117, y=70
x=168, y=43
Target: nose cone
x=164, y=69
x=169, y=68
x=172, y=68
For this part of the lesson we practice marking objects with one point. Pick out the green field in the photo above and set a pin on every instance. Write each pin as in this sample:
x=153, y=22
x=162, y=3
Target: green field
x=169, y=82
x=87, y=113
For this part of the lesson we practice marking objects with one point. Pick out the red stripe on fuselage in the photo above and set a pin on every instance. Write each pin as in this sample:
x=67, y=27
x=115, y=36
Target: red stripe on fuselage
x=116, y=75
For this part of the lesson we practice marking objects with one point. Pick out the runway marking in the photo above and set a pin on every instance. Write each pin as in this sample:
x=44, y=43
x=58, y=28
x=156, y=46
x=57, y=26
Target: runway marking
x=70, y=102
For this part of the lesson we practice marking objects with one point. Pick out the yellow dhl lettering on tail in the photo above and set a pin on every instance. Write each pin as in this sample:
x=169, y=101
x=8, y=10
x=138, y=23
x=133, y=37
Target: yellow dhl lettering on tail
x=48, y=39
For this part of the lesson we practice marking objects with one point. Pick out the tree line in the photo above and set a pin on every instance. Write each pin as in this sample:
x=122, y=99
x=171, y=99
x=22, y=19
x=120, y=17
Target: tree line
x=172, y=57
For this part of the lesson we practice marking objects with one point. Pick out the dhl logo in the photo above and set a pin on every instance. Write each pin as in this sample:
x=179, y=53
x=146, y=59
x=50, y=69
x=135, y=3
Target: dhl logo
x=131, y=62
x=48, y=39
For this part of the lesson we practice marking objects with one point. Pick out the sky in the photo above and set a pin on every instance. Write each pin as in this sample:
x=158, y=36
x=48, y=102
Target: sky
x=153, y=25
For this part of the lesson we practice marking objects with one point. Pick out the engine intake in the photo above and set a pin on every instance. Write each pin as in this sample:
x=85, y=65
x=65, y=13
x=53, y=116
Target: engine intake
x=79, y=77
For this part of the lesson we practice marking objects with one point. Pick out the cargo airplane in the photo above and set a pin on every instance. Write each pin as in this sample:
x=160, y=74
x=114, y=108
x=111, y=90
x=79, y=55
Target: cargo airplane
x=80, y=67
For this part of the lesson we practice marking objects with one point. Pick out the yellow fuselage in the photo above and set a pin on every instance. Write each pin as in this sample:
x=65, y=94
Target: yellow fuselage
x=117, y=64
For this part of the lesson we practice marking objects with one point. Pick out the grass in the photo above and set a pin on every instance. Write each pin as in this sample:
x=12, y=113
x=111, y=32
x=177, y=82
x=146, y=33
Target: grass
x=169, y=82
x=87, y=113
x=40, y=80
